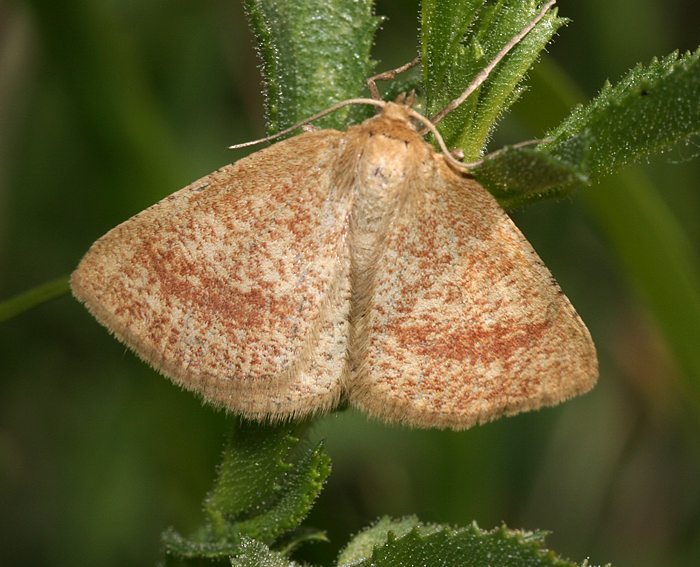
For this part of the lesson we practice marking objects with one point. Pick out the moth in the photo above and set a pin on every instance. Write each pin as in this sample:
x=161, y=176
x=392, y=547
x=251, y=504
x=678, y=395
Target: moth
x=358, y=266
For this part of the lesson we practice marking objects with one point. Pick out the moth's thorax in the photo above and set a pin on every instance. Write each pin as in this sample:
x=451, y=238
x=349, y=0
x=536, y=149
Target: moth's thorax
x=391, y=151
x=391, y=158
x=392, y=164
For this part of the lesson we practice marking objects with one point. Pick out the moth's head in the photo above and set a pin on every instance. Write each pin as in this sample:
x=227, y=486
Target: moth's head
x=397, y=111
x=393, y=132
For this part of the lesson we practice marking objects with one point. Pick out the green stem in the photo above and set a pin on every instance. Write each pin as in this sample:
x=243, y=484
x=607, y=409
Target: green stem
x=33, y=297
x=657, y=258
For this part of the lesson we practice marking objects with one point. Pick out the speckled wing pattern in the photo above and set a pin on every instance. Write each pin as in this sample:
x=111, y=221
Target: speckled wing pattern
x=237, y=285
x=341, y=264
x=466, y=323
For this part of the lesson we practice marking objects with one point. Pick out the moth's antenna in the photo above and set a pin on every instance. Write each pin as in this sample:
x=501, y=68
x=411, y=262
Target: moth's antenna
x=492, y=155
x=429, y=126
x=332, y=108
x=486, y=71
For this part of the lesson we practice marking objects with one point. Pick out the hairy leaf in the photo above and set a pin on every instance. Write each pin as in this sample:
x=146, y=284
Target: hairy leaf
x=253, y=553
x=424, y=544
x=652, y=109
x=252, y=465
x=362, y=545
x=516, y=176
x=196, y=550
x=266, y=485
x=313, y=53
x=458, y=41
x=299, y=491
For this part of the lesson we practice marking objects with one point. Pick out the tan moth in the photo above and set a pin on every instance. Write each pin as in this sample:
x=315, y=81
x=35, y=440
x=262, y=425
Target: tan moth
x=357, y=265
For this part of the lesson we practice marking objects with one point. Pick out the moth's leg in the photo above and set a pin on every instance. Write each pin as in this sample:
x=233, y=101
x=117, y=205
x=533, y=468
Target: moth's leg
x=459, y=154
x=388, y=76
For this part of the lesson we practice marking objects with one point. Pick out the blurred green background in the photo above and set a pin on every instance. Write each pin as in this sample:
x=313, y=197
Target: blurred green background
x=108, y=105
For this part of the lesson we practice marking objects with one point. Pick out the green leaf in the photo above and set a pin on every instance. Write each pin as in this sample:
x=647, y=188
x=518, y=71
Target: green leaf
x=297, y=495
x=179, y=550
x=249, y=476
x=313, y=53
x=362, y=545
x=266, y=485
x=652, y=109
x=444, y=28
x=253, y=553
x=425, y=544
x=461, y=38
x=518, y=175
